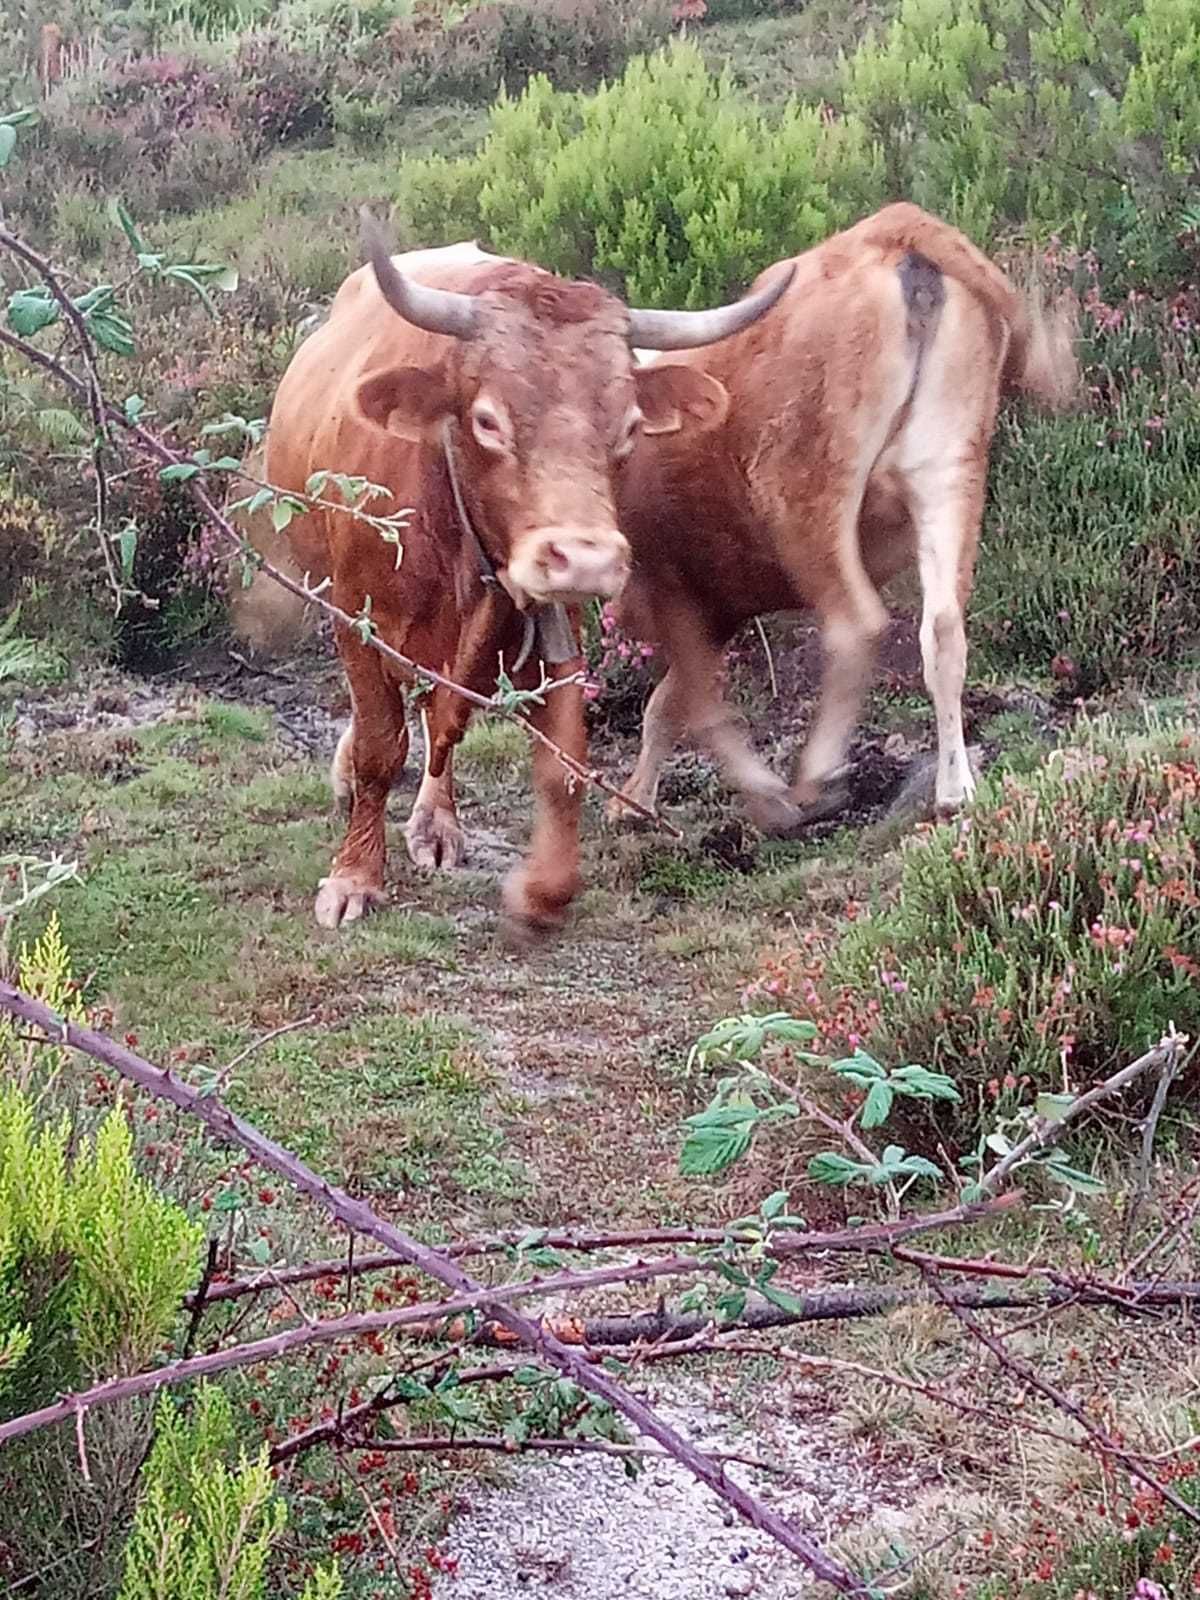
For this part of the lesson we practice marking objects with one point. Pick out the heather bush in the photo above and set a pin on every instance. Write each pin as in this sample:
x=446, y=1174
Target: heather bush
x=665, y=183
x=577, y=43
x=1038, y=942
x=1089, y=565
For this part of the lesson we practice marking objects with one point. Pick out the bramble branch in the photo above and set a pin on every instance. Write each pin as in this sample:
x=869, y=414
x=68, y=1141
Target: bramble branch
x=357, y=1216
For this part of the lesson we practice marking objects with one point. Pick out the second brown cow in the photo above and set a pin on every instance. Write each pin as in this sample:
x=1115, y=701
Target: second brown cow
x=860, y=418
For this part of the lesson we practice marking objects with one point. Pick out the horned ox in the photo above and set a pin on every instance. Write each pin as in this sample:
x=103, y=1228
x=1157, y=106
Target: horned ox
x=860, y=418
x=501, y=403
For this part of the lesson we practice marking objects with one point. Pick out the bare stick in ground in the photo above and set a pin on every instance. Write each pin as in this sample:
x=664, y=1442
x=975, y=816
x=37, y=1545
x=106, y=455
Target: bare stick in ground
x=1047, y=1134
x=357, y=1216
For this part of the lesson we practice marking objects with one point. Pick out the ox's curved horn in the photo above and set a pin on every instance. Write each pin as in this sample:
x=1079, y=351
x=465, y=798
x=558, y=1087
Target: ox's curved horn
x=435, y=310
x=686, y=330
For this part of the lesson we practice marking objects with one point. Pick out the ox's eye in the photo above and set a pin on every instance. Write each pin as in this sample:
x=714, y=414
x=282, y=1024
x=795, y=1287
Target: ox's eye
x=630, y=429
x=489, y=426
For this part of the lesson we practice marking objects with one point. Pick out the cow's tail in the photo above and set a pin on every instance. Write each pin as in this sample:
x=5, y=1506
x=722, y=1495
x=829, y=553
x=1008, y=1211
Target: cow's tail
x=1042, y=363
x=264, y=615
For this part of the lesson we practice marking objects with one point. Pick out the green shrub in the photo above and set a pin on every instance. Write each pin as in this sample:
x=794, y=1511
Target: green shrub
x=1049, y=935
x=1078, y=120
x=94, y=1263
x=665, y=183
x=205, y=1527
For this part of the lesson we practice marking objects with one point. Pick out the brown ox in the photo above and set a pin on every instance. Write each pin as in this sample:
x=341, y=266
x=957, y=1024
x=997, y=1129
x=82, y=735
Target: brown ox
x=860, y=419
x=500, y=403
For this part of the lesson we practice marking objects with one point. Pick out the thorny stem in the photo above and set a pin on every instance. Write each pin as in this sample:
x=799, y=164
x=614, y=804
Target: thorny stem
x=1103, y=1441
x=878, y=1238
x=358, y=1216
x=93, y=389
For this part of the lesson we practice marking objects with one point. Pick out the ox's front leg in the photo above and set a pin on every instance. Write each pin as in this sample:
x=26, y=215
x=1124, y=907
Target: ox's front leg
x=538, y=892
x=433, y=833
x=370, y=756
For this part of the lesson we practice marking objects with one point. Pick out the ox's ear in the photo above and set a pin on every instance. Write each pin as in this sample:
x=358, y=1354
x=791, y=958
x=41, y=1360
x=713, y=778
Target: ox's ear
x=408, y=401
x=673, y=397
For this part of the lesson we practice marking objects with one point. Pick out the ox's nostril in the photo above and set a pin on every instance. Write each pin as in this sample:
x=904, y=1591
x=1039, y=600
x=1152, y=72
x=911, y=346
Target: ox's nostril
x=555, y=558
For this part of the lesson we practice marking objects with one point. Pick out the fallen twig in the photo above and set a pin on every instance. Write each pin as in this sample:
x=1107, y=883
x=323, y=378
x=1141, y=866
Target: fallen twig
x=357, y=1216
x=875, y=1238
x=1103, y=1441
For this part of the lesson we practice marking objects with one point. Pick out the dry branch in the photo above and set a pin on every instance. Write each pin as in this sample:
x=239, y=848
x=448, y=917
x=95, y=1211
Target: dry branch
x=873, y=1239
x=357, y=1216
x=1047, y=1134
x=831, y=1305
x=1102, y=1440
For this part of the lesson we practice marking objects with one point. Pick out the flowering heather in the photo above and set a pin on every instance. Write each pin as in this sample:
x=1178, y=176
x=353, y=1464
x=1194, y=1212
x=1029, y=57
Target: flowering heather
x=1046, y=937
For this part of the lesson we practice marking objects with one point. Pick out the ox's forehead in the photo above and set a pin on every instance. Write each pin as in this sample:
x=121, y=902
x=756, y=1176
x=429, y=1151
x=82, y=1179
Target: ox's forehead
x=513, y=295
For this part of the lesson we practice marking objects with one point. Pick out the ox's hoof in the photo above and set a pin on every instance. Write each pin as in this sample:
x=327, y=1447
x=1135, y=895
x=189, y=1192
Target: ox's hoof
x=529, y=918
x=618, y=815
x=822, y=801
x=345, y=900
x=435, y=840
x=774, y=811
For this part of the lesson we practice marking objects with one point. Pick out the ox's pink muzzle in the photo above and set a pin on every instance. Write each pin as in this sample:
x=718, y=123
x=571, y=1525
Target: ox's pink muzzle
x=568, y=565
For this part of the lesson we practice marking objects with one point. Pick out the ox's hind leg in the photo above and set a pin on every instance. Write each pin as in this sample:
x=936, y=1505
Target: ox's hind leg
x=370, y=756
x=947, y=505
x=433, y=833
x=852, y=621
x=662, y=726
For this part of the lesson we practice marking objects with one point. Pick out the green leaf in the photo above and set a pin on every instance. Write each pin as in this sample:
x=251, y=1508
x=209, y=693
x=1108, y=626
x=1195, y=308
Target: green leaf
x=259, y=1251
x=922, y=1084
x=878, y=1104
x=8, y=143
x=111, y=332
x=729, y=1307
x=832, y=1168
x=127, y=543
x=859, y=1065
x=31, y=310
x=919, y=1167
x=793, y=1304
x=282, y=513
x=257, y=501
x=774, y=1204
x=710, y=1150
x=125, y=222
x=135, y=408
x=1080, y=1182
x=997, y=1143
x=179, y=472
x=1053, y=1107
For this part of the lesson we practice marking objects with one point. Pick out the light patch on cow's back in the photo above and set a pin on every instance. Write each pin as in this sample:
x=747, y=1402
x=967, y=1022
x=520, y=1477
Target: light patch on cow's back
x=644, y=357
x=464, y=254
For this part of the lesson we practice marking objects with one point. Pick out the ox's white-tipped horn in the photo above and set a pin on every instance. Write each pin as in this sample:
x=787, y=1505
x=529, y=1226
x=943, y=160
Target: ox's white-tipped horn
x=435, y=310
x=687, y=330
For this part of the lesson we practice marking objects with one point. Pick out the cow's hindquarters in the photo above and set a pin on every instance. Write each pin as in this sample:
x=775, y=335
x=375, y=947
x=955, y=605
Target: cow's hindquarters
x=941, y=459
